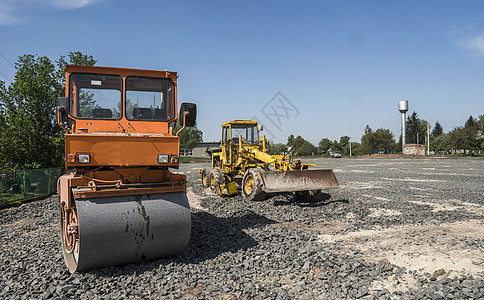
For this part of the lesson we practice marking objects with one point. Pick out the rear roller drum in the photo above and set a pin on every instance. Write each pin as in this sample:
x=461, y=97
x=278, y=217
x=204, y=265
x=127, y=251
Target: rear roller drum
x=107, y=231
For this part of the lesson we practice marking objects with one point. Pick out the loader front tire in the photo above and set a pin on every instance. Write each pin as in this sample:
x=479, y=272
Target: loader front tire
x=216, y=179
x=252, y=185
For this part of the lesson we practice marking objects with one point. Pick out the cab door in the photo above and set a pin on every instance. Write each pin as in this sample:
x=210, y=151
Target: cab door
x=226, y=145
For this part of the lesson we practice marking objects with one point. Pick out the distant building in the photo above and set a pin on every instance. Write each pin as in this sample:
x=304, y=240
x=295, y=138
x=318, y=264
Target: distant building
x=202, y=149
x=412, y=149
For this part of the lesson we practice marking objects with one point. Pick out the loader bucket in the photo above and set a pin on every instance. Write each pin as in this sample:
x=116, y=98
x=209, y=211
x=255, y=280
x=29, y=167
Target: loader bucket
x=304, y=180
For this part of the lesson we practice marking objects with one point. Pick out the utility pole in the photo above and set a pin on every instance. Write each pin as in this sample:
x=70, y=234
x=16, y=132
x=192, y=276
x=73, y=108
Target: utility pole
x=350, y=148
x=428, y=139
x=417, y=145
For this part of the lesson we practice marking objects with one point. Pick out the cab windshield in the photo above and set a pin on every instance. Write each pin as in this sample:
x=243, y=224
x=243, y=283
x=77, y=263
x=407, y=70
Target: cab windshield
x=149, y=98
x=249, y=134
x=96, y=96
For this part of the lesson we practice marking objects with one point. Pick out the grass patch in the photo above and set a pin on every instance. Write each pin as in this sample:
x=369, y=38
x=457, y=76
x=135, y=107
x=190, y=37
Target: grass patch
x=190, y=159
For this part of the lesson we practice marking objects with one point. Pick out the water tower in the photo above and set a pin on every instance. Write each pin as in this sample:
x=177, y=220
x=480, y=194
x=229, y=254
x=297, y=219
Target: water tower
x=403, y=108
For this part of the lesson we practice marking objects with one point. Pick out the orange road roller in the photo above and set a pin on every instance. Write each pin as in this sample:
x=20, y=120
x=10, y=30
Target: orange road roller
x=119, y=201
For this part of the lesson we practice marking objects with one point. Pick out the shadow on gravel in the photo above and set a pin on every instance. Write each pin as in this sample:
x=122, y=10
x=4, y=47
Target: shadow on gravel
x=322, y=201
x=211, y=236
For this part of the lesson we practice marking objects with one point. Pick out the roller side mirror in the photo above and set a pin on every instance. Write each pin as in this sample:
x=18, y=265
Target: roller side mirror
x=63, y=108
x=188, y=113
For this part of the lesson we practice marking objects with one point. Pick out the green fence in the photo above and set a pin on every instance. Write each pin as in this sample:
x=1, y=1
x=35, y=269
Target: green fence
x=16, y=187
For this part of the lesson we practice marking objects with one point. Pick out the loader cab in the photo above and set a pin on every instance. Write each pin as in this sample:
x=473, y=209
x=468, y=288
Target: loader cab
x=235, y=133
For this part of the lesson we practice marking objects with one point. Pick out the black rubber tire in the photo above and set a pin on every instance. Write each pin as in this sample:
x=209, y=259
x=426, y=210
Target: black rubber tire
x=206, y=177
x=252, y=185
x=308, y=196
x=216, y=178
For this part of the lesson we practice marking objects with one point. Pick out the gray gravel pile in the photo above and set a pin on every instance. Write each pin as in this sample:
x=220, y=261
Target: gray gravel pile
x=270, y=249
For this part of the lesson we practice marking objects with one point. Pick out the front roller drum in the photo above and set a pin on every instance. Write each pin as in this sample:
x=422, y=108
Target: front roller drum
x=101, y=232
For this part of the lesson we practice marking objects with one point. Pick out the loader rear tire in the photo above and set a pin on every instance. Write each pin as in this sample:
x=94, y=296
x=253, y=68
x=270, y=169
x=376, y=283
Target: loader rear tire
x=308, y=196
x=206, y=177
x=252, y=185
x=217, y=178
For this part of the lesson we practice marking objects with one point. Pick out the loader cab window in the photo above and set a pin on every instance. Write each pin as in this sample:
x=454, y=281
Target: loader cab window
x=150, y=99
x=225, y=135
x=95, y=96
x=249, y=134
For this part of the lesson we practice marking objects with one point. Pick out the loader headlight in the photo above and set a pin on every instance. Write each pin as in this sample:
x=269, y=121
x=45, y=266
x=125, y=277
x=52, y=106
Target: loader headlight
x=83, y=158
x=162, y=158
x=174, y=159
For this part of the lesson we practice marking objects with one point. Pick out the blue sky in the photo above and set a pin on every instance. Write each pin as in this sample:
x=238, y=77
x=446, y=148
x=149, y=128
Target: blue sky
x=311, y=68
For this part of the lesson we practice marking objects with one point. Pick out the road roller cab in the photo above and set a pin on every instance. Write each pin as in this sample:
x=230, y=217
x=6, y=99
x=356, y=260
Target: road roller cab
x=119, y=201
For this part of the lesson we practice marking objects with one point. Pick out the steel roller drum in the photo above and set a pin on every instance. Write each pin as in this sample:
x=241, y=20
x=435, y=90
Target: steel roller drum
x=127, y=229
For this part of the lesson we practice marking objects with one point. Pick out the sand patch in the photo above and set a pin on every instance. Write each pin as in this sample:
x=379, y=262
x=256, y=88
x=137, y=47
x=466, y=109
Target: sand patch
x=470, y=207
x=353, y=171
x=378, y=212
x=376, y=198
x=452, y=247
x=414, y=179
x=194, y=199
x=356, y=185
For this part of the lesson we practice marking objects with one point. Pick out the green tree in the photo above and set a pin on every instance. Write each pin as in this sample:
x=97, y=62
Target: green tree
x=480, y=123
x=29, y=135
x=414, y=127
x=276, y=148
x=344, y=140
x=306, y=149
x=380, y=140
x=438, y=130
x=75, y=58
x=442, y=143
x=290, y=140
x=343, y=144
x=189, y=137
x=324, y=145
x=471, y=122
x=356, y=148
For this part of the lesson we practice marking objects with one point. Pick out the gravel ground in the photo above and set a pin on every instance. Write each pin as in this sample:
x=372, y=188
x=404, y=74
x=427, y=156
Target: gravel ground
x=397, y=228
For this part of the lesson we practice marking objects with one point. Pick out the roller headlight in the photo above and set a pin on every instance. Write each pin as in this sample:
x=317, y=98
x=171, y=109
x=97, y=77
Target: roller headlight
x=84, y=158
x=162, y=158
x=174, y=159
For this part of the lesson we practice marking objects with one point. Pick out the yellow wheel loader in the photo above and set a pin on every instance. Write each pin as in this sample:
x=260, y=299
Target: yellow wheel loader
x=243, y=158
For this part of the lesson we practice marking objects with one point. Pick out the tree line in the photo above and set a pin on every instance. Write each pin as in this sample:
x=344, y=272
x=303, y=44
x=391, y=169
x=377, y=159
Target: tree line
x=470, y=136
x=29, y=135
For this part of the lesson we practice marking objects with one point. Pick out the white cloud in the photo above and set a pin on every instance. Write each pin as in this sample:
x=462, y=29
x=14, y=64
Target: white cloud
x=469, y=37
x=70, y=4
x=6, y=14
x=11, y=11
x=475, y=44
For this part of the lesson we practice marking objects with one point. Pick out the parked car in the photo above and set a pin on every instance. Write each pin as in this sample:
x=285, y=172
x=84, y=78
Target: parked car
x=335, y=155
